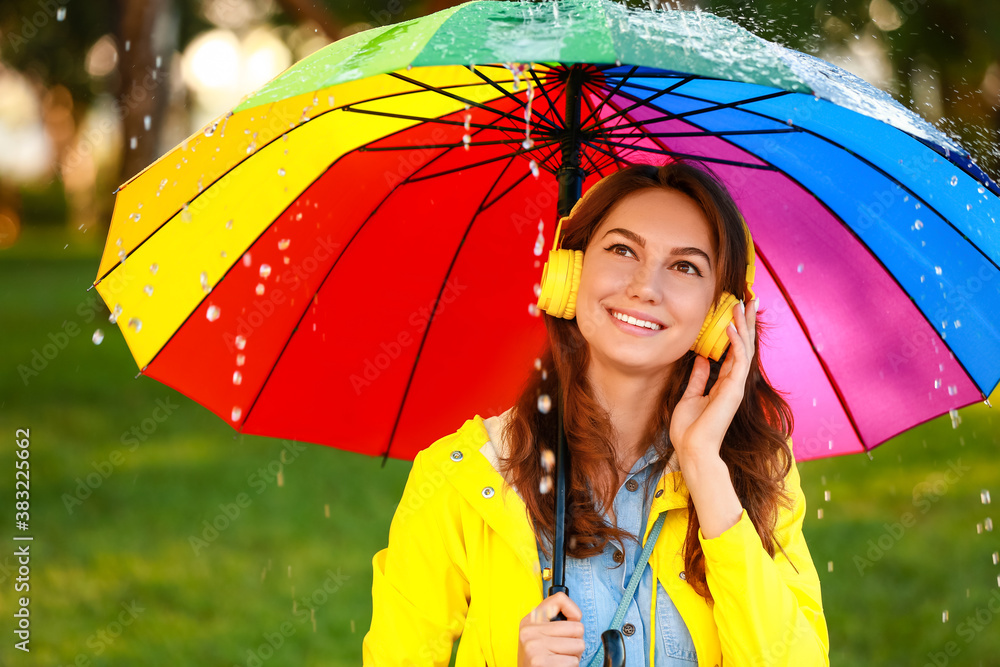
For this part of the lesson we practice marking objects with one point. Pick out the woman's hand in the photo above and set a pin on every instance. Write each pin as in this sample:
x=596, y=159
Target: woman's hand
x=699, y=423
x=551, y=643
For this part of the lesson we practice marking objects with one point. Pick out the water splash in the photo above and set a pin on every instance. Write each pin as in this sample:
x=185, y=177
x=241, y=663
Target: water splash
x=98, y=337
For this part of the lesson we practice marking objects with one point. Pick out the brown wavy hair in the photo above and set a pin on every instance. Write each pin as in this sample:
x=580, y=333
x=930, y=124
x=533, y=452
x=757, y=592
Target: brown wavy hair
x=755, y=447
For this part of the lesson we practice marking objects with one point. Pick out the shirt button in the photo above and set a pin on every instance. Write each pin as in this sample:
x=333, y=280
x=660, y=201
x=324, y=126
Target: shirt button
x=631, y=485
x=456, y=455
x=618, y=557
x=683, y=575
x=659, y=492
x=488, y=492
x=628, y=629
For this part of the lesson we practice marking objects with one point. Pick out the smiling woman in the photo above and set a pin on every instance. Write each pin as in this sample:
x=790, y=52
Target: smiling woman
x=707, y=563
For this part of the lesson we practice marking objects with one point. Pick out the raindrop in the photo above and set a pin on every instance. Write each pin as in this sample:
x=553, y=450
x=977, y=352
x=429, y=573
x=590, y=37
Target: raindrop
x=246, y=259
x=544, y=404
x=952, y=390
x=538, y=364
x=133, y=142
x=236, y=413
x=212, y=313
x=534, y=168
x=984, y=495
x=988, y=525
x=210, y=130
x=159, y=61
x=241, y=342
x=955, y=418
x=801, y=267
x=548, y=460
x=229, y=224
x=97, y=337
x=265, y=270
x=545, y=485
x=281, y=171
x=968, y=207
x=135, y=323
x=819, y=513
x=539, y=244
x=153, y=268
x=237, y=377
x=185, y=213
x=826, y=495
x=919, y=224
x=537, y=289
x=259, y=289
x=148, y=289
x=937, y=270
x=122, y=255
x=283, y=244
x=528, y=143
x=944, y=616
x=204, y=282
x=240, y=359
x=937, y=384
x=60, y=14
x=829, y=566
x=466, y=139
x=113, y=317
x=147, y=122
x=954, y=180
x=128, y=45
x=533, y=310
x=468, y=120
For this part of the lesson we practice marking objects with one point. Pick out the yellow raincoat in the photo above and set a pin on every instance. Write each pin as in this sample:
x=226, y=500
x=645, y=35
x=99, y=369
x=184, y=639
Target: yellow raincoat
x=462, y=561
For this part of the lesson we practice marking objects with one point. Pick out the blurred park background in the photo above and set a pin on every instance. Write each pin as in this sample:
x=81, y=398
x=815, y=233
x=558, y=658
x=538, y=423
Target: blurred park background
x=164, y=538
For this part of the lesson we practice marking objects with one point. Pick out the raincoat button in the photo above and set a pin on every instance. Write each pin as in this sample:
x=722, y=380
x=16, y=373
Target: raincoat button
x=659, y=492
x=456, y=455
x=488, y=492
x=546, y=573
x=628, y=629
x=618, y=557
x=631, y=485
x=683, y=575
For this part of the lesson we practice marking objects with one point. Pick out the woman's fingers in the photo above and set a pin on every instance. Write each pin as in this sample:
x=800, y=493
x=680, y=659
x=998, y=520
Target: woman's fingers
x=543, y=641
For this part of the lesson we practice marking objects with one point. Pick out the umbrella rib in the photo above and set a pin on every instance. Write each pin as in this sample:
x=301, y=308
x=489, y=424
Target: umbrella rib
x=513, y=97
x=671, y=153
x=616, y=160
x=478, y=164
x=430, y=318
x=761, y=257
x=486, y=204
x=463, y=100
x=659, y=92
x=552, y=106
x=706, y=133
x=605, y=98
x=403, y=116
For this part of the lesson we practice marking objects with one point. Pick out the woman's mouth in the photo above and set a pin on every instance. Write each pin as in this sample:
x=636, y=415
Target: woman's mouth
x=634, y=325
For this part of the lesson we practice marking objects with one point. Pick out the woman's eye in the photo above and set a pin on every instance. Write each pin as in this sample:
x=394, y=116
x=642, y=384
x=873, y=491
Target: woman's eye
x=689, y=268
x=620, y=249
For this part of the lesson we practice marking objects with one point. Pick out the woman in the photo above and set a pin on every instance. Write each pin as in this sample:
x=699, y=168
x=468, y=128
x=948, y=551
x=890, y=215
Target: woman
x=649, y=433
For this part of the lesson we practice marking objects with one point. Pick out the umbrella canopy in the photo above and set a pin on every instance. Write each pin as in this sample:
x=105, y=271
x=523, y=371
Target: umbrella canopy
x=349, y=256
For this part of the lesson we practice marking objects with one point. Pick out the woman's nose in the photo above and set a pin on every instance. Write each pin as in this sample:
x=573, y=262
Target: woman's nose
x=643, y=284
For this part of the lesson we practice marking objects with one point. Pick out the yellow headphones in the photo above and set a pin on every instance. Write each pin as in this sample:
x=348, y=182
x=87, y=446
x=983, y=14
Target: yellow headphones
x=561, y=280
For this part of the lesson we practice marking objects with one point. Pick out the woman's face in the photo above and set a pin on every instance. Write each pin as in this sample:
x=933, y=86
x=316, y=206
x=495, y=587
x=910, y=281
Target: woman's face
x=652, y=258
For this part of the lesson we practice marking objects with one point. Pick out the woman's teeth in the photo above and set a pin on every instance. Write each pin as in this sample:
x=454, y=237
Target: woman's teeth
x=638, y=323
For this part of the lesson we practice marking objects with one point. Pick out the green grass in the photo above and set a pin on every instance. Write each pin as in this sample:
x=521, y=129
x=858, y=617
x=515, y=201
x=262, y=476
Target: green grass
x=130, y=540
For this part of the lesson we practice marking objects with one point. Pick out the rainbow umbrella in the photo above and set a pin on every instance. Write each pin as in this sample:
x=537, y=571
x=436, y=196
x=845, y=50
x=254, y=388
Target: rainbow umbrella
x=349, y=256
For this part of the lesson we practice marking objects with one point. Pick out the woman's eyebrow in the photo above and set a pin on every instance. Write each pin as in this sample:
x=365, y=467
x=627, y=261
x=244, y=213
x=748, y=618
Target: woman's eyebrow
x=641, y=242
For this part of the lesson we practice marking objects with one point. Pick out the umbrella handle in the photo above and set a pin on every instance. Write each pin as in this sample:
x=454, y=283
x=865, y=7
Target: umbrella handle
x=614, y=648
x=559, y=539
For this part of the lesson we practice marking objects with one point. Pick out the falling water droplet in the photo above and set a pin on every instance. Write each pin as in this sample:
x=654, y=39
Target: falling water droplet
x=185, y=213
x=281, y=171
x=60, y=14
x=801, y=267
x=147, y=122
x=544, y=404
x=954, y=180
x=153, y=268
x=996, y=557
x=545, y=485
x=944, y=616
x=533, y=166
x=284, y=243
x=937, y=383
x=548, y=460
x=984, y=495
x=265, y=270
x=241, y=342
x=237, y=377
x=259, y=289
x=537, y=289
x=236, y=413
x=135, y=323
x=97, y=337
x=133, y=142
x=829, y=566
x=538, y=364
x=826, y=495
x=246, y=260
x=539, y=245
x=955, y=418
x=148, y=289
x=240, y=359
x=988, y=525
x=937, y=270
x=952, y=390
x=919, y=224
x=533, y=310
x=528, y=143
x=212, y=313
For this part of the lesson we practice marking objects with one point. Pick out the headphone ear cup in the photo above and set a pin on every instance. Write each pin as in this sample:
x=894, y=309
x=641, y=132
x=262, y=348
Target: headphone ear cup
x=712, y=340
x=560, y=283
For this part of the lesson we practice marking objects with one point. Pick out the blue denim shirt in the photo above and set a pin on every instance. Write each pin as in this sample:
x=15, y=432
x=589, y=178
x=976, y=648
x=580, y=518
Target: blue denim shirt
x=596, y=585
